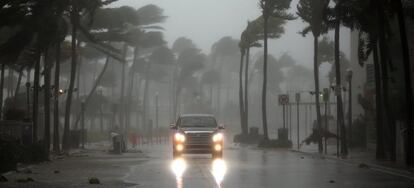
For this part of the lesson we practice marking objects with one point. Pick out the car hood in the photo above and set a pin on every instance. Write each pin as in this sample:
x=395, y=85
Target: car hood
x=198, y=130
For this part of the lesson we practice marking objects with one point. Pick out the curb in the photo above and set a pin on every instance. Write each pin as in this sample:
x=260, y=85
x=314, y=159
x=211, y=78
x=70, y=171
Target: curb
x=388, y=170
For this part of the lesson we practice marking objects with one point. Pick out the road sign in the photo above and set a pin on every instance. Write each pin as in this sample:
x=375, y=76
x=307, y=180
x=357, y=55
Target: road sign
x=283, y=99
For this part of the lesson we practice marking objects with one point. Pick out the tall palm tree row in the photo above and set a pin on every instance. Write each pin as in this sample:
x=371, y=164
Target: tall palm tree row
x=32, y=40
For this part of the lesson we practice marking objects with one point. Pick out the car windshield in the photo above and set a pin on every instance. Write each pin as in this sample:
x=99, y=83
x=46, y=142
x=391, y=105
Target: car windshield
x=198, y=122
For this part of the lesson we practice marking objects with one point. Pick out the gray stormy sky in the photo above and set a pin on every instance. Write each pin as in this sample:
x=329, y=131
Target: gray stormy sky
x=206, y=21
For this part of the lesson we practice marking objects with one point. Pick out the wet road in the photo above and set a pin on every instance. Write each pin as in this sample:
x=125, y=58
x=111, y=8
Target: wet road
x=248, y=168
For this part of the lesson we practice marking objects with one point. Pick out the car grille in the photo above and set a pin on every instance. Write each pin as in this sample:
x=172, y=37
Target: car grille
x=198, y=138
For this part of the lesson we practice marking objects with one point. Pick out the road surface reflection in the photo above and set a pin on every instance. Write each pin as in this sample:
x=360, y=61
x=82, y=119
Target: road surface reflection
x=178, y=167
x=217, y=169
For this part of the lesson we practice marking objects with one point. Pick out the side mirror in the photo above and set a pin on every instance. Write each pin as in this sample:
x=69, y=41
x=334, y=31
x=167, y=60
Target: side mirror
x=172, y=126
x=221, y=126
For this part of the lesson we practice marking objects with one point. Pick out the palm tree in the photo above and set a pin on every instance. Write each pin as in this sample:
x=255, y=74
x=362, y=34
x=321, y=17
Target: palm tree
x=313, y=12
x=180, y=46
x=250, y=37
x=407, y=78
x=367, y=24
x=340, y=15
x=225, y=47
x=210, y=78
x=74, y=17
x=87, y=8
x=1, y=89
x=242, y=106
x=276, y=9
x=189, y=62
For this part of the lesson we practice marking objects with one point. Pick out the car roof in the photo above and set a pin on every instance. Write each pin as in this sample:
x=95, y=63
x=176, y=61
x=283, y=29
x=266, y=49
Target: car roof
x=197, y=115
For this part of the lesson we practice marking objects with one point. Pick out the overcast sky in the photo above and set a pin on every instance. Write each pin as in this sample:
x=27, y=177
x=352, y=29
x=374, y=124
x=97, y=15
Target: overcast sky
x=206, y=21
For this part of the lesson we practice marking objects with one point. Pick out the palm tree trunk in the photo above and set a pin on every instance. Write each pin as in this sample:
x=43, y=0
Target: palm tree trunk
x=380, y=150
x=66, y=129
x=264, y=88
x=1, y=90
x=47, y=72
x=139, y=105
x=246, y=91
x=408, y=86
x=241, y=101
x=122, y=101
x=56, y=142
x=93, y=90
x=130, y=89
x=78, y=78
x=19, y=81
x=10, y=83
x=384, y=70
x=340, y=114
x=318, y=109
x=36, y=97
x=145, y=98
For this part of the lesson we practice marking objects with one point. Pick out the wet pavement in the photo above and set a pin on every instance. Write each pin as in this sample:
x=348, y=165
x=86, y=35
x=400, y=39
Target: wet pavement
x=241, y=167
x=250, y=167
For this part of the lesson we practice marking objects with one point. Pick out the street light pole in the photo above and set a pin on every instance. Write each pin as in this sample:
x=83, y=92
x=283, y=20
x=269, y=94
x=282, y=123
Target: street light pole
x=349, y=76
x=297, y=109
x=290, y=120
x=156, y=114
x=326, y=99
x=82, y=132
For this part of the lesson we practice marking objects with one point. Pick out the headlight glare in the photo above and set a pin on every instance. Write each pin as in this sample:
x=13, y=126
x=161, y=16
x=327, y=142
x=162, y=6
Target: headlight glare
x=217, y=137
x=179, y=137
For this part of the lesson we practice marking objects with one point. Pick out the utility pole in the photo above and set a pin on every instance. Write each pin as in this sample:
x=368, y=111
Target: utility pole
x=297, y=109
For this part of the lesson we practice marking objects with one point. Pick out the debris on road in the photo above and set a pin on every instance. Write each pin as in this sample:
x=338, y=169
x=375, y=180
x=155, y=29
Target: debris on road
x=25, y=180
x=363, y=165
x=94, y=180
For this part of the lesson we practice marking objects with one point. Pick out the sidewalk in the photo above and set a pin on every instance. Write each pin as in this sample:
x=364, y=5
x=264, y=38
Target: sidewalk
x=361, y=158
x=77, y=168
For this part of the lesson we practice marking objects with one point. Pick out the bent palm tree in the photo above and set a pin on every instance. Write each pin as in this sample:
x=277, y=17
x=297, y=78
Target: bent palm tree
x=313, y=12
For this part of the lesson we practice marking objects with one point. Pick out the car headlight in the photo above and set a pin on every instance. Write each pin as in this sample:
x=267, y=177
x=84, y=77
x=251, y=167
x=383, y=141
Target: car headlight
x=217, y=137
x=179, y=137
